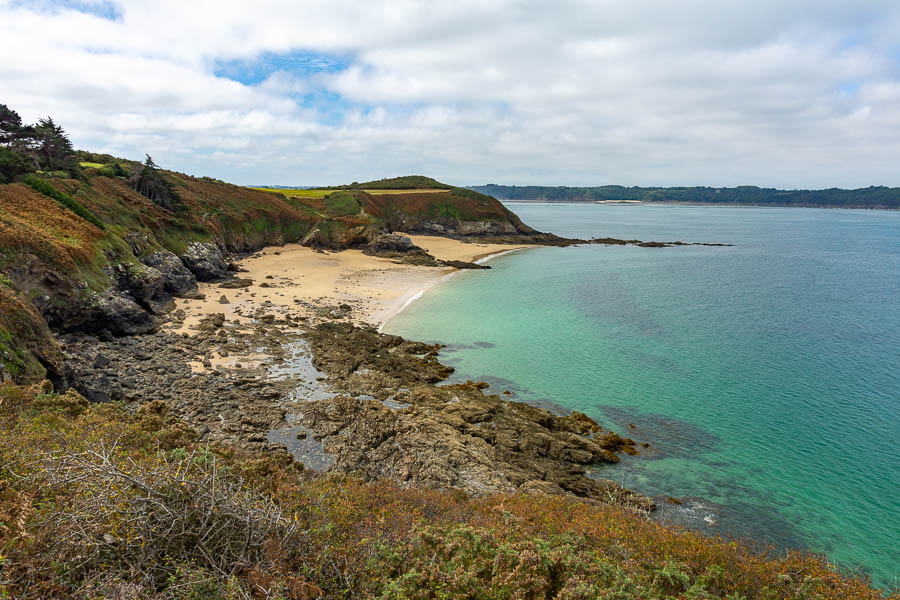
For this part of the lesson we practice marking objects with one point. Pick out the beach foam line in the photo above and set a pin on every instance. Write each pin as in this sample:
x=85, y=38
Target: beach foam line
x=412, y=299
x=484, y=259
x=421, y=292
x=415, y=297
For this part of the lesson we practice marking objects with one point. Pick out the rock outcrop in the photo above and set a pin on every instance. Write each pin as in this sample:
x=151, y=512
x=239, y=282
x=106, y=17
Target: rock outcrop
x=206, y=262
x=392, y=244
x=146, y=285
x=455, y=436
x=393, y=422
x=177, y=278
x=116, y=314
x=401, y=248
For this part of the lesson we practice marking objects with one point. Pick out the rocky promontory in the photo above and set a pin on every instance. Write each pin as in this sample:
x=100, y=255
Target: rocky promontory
x=393, y=422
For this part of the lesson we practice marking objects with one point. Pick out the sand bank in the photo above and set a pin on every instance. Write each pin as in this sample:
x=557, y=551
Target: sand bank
x=298, y=281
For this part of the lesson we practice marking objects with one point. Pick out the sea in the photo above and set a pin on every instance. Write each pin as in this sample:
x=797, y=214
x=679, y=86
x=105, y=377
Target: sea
x=765, y=376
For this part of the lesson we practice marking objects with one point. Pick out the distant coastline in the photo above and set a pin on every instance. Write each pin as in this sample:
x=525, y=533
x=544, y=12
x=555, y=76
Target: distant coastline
x=875, y=197
x=693, y=204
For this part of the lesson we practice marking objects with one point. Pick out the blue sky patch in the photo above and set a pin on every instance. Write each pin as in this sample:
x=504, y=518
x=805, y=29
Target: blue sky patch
x=300, y=64
x=330, y=106
x=851, y=87
x=102, y=9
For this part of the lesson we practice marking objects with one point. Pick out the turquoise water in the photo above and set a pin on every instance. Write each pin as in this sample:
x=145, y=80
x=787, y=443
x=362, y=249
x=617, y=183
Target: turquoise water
x=765, y=376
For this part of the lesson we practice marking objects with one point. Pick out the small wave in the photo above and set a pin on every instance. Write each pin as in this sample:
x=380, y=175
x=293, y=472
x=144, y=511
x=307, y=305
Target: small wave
x=484, y=259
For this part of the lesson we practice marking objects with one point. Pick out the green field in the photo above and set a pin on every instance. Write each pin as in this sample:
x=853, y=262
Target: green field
x=91, y=165
x=322, y=192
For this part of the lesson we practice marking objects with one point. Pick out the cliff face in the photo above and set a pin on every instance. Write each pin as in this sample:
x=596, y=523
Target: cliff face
x=62, y=271
x=449, y=213
x=115, y=274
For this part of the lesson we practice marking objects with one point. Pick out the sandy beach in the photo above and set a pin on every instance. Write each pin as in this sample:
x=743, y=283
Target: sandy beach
x=297, y=281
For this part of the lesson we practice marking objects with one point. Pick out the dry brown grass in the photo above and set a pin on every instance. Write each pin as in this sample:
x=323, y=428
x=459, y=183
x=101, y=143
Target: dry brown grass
x=31, y=223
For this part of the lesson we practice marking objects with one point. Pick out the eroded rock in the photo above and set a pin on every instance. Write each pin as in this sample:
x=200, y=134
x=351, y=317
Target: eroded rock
x=146, y=285
x=177, y=278
x=118, y=314
x=206, y=262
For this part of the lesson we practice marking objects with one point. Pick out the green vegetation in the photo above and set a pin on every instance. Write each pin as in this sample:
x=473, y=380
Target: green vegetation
x=322, y=192
x=408, y=182
x=12, y=358
x=43, y=146
x=342, y=204
x=871, y=197
x=444, y=210
x=46, y=188
x=94, y=500
x=91, y=165
x=384, y=192
x=12, y=165
x=297, y=192
x=151, y=183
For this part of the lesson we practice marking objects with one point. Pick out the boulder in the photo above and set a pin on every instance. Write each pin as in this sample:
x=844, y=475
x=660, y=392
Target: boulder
x=238, y=283
x=206, y=262
x=177, y=278
x=391, y=244
x=145, y=284
x=118, y=314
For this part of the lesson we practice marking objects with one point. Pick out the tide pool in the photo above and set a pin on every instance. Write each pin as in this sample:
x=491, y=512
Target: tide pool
x=765, y=376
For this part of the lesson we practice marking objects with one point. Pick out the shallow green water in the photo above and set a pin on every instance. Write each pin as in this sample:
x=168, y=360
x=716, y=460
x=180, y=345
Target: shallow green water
x=766, y=376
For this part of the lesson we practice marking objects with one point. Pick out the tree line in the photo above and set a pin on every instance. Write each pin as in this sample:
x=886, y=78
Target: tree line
x=870, y=197
x=45, y=147
x=24, y=148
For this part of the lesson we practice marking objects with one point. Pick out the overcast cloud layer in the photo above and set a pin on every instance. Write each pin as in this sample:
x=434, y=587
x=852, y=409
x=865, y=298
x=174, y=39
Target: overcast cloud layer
x=786, y=93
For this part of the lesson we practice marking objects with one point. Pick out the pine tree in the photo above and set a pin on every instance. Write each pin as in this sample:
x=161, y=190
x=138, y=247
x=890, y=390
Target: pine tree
x=10, y=125
x=53, y=145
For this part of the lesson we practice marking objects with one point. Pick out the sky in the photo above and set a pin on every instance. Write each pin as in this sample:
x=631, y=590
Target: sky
x=780, y=93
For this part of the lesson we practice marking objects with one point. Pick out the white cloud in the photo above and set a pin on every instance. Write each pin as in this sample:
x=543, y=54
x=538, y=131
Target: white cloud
x=793, y=93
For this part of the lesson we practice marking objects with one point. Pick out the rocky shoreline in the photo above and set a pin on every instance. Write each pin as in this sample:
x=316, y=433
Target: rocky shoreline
x=347, y=399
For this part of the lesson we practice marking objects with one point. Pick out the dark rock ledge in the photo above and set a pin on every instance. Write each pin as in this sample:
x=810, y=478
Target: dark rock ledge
x=393, y=422
x=388, y=415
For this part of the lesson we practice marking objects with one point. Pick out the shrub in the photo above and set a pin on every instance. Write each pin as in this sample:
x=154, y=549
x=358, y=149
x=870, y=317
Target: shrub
x=151, y=183
x=111, y=170
x=12, y=165
x=139, y=518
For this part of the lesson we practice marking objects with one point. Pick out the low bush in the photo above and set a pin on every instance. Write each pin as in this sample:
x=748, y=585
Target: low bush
x=111, y=170
x=12, y=165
